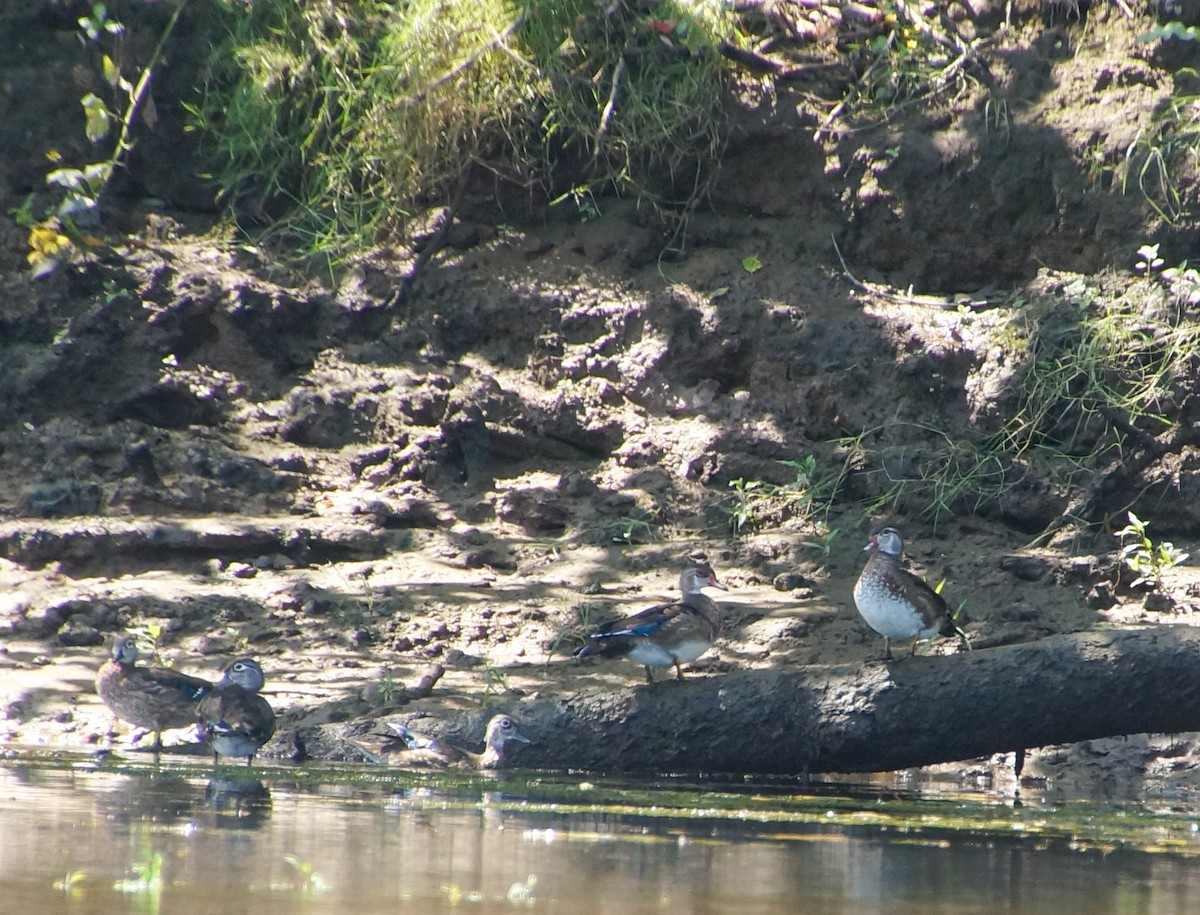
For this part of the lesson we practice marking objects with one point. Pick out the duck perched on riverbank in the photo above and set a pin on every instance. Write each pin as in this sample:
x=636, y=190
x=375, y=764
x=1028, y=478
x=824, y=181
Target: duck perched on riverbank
x=154, y=698
x=235, y=718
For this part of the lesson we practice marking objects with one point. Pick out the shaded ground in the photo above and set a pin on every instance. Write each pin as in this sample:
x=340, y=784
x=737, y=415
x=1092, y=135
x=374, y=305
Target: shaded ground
x=354, y=480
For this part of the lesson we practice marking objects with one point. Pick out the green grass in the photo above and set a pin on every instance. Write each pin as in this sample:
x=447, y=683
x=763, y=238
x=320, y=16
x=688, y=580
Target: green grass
x=1158, y=159
x=334, y=126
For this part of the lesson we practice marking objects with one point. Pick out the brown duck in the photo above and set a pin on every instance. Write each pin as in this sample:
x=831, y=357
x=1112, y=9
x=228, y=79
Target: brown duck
x=235, y=718
x=404, y=749
x=668, y=634
x=895, y=602
x=155, y=698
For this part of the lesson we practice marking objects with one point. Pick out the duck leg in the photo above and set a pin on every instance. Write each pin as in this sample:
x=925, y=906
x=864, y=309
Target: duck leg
x=887, y=648
x=678, y=671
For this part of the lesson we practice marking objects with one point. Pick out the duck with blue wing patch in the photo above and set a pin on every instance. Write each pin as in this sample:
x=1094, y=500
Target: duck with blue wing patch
x=666, y=635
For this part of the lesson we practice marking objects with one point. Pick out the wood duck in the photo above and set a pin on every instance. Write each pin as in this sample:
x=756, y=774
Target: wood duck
x=155, y=698
x=895, y=602
x=404, y=749
x=668, y=634
x=235, y=718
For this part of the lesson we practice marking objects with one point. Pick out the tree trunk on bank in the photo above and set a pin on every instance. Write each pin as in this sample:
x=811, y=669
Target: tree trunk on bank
x=876, y=717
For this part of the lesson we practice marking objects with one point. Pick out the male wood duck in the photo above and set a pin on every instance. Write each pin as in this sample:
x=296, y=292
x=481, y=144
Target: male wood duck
x=235, y=718
x=668, y=634
x=404, y=749
x=895, y=602
x=155, y=698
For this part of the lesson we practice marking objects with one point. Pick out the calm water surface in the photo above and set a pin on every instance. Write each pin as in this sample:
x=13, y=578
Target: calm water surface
x=128, y=836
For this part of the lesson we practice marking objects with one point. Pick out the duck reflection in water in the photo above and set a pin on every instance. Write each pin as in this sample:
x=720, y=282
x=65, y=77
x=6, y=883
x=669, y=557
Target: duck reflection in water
x=238, y=803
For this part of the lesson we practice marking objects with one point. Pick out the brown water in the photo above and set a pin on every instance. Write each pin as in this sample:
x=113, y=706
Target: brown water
x=131, y=837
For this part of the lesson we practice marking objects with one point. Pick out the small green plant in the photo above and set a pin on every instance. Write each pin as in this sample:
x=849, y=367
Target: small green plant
x=806, y=498
x=1182, y=281
x=387, y=689
x=147, y=877
x=584, y=200
x=1144, y=558
x=741, y=506
x=310, y=881
x=822, y=542
x=640, y=526
x=495, y=683
x=576, y=634
x=1148, y=260
x=62, y=232
x=241, y=639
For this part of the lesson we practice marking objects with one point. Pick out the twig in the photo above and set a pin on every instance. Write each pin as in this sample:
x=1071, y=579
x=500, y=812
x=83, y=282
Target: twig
x=609, y=107
x=124, y=144
x=425, y=685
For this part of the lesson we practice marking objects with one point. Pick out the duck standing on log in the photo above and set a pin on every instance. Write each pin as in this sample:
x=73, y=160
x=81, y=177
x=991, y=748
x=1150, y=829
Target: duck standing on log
x=895, y=602
x=669, y=634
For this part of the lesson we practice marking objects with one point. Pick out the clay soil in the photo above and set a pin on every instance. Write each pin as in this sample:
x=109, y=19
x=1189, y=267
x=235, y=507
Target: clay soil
x=466, y=459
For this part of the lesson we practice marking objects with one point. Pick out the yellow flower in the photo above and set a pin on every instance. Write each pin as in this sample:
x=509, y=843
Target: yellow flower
x=46, y=241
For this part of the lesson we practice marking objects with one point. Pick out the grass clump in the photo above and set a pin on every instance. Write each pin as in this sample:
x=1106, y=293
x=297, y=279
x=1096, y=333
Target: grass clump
x=1159, y=159
x=338, y=123
x=805, y=500
x=1098, y=372
x=942, y=476
x=635, y=97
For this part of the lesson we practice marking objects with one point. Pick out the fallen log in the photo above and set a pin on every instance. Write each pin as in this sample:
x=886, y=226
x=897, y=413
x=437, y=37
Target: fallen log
x=875, y=717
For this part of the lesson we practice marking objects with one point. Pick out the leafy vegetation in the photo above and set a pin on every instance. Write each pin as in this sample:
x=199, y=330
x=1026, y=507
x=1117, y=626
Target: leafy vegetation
x=65, y=229
x=1143, y=557
x=805, y=499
